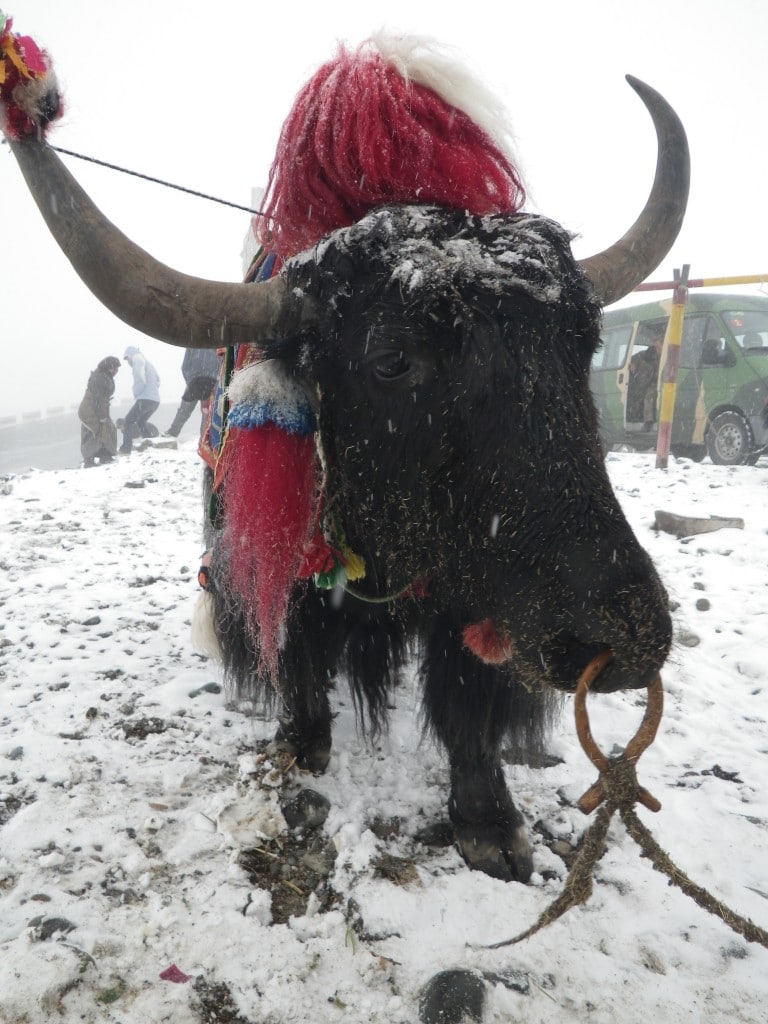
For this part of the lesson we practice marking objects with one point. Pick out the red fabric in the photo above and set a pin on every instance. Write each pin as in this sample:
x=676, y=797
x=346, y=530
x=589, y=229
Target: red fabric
x=34, y=58
x=35, y=64
x=359, y=136
x=175, y=974
x=270, y=499
x=488, y=642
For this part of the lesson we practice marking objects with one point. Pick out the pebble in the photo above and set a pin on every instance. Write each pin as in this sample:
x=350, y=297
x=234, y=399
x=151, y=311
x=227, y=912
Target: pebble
x=46, y=927
x=452, y=997
x=688, y=639
x=306, y=810
x=206, y=688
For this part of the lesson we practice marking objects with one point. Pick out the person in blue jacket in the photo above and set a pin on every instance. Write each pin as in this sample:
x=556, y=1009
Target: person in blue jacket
x=146, y=395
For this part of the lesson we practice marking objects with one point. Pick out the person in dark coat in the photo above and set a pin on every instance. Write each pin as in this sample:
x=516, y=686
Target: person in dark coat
x=200, y=368
x=98, y=434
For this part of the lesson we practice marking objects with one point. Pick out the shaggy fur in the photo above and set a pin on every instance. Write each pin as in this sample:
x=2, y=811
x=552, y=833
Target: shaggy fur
x=449, y=371
x=384, y=124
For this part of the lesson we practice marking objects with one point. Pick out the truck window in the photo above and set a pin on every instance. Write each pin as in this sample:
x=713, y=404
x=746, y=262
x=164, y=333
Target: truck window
x=613, y=349
x=749, y=328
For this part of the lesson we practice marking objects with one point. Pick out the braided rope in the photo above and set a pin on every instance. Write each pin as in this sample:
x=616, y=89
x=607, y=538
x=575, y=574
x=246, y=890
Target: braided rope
x=617, y=789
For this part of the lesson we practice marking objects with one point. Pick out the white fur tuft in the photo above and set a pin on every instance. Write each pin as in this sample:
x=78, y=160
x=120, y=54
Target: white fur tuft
x=203, y=634
x=442, y=69
x=30, y=94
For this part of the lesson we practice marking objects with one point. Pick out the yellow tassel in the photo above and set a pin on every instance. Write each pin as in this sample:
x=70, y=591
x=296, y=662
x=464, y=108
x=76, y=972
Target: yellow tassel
x=14, y=56
x=354, y=567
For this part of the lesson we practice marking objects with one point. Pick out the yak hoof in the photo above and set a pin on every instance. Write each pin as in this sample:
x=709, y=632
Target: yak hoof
x=503, y=854
x=309, y=757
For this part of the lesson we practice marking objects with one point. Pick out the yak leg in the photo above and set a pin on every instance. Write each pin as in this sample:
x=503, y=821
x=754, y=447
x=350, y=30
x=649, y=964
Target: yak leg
x=304, y=728
x=471, y=706
x=315, y=639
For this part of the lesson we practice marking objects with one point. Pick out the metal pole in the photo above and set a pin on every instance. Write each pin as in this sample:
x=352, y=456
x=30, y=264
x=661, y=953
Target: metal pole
x=704, y=282
x=671, y=363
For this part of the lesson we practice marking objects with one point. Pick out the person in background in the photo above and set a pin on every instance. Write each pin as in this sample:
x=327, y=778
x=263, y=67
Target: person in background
x=146, y=394
x=98, y=434
x=200, y=368
x=643, y=381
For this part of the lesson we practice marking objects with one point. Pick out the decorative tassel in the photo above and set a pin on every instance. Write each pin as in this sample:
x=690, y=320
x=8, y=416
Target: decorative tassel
x=490, y=643
x=269, y=511
x=29, y=94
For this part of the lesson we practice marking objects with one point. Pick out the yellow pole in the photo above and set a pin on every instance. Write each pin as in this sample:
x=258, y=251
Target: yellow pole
x=704, y=282
x=671, y=363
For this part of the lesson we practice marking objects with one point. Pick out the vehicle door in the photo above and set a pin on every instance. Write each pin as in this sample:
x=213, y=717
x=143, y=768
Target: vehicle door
x=702, y=378
x=608, y=380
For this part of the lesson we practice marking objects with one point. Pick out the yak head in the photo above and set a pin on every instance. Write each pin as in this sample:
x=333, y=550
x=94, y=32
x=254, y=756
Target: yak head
x=449, y=366
x=448, y=359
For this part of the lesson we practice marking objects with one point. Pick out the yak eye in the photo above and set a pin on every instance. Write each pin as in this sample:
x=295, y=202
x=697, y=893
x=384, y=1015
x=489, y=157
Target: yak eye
x=391, y=366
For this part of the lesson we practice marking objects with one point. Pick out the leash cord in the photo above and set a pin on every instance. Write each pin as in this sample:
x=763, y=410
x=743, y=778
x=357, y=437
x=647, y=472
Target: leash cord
x=155, y=181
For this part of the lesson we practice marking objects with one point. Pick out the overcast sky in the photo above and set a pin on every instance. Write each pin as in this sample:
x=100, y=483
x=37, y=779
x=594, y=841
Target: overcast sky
x=195, y=93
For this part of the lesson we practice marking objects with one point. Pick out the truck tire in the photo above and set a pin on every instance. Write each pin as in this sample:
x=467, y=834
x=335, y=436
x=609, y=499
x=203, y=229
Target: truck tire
x=729, y=439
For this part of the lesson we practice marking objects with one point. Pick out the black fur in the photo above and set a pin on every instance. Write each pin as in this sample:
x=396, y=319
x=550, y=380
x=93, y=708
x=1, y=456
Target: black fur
x=450, y=368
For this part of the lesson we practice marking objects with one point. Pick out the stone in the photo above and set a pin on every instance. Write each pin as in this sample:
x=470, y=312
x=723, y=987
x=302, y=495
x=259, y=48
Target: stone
x=688, y=526
x=306, y=810
x=453, y=997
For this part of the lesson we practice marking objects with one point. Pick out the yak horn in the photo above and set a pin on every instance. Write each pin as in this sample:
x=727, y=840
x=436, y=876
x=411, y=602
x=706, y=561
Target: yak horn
x=149, y=296
x=615, y=272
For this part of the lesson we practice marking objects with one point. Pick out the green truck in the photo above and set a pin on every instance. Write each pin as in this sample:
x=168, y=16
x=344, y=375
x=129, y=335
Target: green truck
x=721, y=404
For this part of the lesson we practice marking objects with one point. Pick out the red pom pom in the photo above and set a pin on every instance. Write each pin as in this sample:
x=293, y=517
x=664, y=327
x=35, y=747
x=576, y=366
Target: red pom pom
x=488, y=642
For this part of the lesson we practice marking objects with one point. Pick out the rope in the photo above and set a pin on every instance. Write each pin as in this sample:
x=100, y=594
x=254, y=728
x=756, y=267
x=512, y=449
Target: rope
x=618, y=790
x=156, y=181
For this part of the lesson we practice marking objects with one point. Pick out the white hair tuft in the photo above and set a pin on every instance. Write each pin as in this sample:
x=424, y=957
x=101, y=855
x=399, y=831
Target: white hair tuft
x=443, y=69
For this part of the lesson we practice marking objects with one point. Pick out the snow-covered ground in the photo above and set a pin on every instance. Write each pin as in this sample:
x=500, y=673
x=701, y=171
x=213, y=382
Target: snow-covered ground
x=142, y=829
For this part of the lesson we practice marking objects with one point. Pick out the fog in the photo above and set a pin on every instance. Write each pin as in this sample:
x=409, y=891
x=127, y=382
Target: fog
x=196, y=96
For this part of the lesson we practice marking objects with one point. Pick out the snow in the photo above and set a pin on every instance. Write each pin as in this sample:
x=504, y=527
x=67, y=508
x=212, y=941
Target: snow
x=130, y=786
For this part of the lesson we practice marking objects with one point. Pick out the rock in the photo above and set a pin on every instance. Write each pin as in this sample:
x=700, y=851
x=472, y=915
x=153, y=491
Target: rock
x=140, y=728
x=687, y=526
x=515, y=981
x=206, y=688
x=47, y=927
x=306, y=810
x=688, y=639
x=703, y=604
x=452, y=997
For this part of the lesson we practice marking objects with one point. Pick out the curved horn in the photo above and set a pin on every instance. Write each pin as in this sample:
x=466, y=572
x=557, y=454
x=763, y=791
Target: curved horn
x=620, y=268
x=146, y=294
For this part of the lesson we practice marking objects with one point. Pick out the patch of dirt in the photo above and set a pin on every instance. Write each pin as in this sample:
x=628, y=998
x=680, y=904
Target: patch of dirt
x=292, y=868
x=10, y=805
x=398, y=870
x=215, y=1004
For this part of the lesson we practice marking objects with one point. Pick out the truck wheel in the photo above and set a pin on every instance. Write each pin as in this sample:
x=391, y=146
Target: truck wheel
x=729, y=439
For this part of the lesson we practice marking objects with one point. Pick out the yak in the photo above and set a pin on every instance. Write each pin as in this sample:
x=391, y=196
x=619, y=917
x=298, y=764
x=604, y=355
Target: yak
x=441, y=360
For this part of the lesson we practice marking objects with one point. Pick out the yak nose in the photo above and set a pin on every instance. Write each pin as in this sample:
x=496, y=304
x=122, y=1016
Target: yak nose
x=629, y=614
